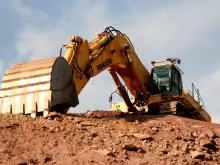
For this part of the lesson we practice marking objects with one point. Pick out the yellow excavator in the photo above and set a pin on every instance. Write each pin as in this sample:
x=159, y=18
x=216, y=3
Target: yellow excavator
x=53, y=84
x=170, y=98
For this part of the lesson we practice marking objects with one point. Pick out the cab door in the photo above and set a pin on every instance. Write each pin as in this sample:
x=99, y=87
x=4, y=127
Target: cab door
x=176, y=82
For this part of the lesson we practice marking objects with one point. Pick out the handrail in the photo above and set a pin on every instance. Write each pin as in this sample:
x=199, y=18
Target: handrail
x=200, y=98
x=198, y=94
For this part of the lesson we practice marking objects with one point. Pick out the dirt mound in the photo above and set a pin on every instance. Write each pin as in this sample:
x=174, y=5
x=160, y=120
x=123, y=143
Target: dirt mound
x=136, y=140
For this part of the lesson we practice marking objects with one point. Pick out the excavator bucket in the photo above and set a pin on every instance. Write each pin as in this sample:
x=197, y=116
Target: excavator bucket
x=38, y=87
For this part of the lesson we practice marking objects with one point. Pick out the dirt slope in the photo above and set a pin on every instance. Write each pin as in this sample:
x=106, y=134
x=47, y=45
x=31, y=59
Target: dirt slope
x=135, y=140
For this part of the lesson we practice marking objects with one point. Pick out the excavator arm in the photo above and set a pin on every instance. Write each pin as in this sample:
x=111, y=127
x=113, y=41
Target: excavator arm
x=114, y=52
x=55, y=83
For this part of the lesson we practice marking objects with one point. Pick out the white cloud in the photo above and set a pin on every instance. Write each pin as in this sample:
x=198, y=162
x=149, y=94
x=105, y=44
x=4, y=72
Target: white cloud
x=44, y=40
x=37, y=43
x=172, y=29
x=165, y=31
x=24, y=11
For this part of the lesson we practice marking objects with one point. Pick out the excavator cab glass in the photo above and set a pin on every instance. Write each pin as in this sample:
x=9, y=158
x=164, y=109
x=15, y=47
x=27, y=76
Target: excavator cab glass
x=161, y=77
x=175, y=82
x=167, y=78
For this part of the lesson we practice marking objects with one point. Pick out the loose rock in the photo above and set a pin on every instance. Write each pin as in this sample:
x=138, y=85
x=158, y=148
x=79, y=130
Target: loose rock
x=210, y=134
x=197, y=155
x=23, y=163
x=175, y=153
x=130, y=147
x=185, y=148
x=198, y=148
x=105, y=152
x=203, y=136
x=194, y=134
x=143, y=136
x=47, y=158
x=154, y=129
x=207, y=143
x=58, y=119
x=52, y=115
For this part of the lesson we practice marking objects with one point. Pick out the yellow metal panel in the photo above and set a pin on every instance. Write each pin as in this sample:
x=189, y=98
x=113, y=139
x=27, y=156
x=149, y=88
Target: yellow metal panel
x=23, y=82
x=29, y=67
x=27, y=74
x=6, y=104
x=197, y=106
x=35, y=63
x=43, y=100
x=23, y=90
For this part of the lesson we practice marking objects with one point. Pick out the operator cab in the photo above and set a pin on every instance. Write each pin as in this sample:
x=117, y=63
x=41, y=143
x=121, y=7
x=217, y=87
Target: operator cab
x=167, y=76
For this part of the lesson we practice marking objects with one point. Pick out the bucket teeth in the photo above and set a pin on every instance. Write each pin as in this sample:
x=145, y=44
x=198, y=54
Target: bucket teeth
x=33, y=114
x=25, y=104
x=45, y=112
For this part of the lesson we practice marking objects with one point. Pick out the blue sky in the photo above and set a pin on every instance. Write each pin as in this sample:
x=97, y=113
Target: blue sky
x=159, y=29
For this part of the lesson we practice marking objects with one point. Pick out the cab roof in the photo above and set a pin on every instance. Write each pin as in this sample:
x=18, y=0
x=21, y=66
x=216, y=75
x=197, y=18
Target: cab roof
x=169, y=61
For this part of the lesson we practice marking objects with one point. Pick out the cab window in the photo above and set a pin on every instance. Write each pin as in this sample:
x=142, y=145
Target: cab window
x=161, y=77
x=176, y=83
